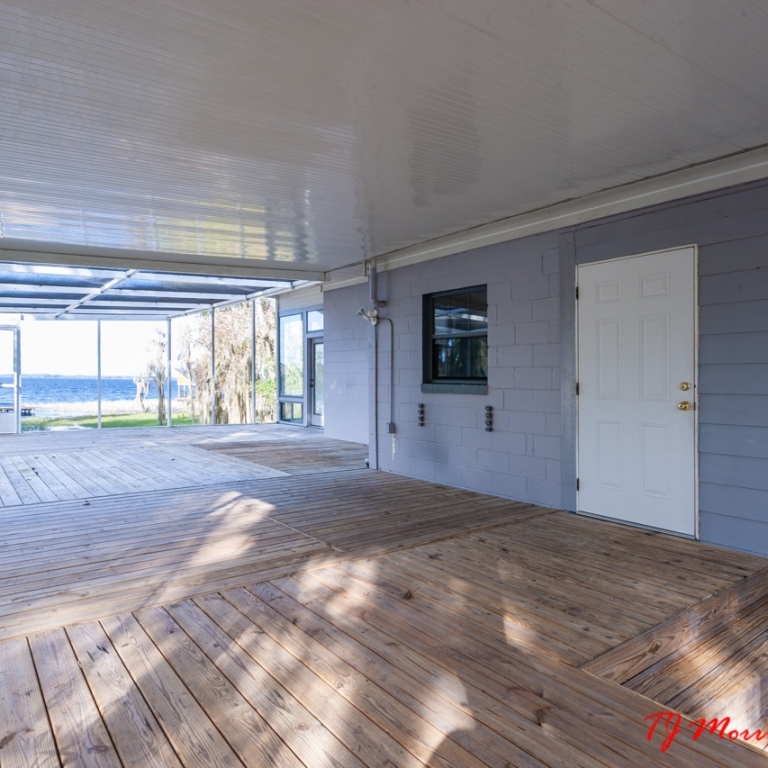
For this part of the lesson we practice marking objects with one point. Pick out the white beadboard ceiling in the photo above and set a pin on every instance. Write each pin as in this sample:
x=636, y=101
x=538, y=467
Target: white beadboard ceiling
x=309, y=135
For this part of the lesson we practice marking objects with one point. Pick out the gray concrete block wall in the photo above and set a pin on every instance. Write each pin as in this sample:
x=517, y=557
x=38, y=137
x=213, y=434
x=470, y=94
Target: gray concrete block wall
x=347, y=339
x=731, y=230
x=520, y=459
x=530, y=291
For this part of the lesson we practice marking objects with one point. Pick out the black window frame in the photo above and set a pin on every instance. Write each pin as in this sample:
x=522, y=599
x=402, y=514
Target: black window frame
x=457, y=385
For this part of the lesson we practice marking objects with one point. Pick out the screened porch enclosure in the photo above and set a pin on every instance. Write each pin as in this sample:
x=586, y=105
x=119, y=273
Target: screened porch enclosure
x=135, y=348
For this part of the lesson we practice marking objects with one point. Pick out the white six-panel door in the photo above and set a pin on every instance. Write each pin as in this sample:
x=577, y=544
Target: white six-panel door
x=636, y=356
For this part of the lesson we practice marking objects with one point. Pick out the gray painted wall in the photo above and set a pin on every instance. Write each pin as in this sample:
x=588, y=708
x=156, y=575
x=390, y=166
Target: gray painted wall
x=531, y=453
x=346, y=338
x=520, y=459
x=731, y=229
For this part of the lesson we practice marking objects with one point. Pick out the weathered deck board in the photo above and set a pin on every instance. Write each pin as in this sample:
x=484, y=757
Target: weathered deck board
x=296, y=458
x=80, y=732
x=340, y=617
x=189, y=728
x=25, y=732
x=356, y=664
x=62, y=475
x=135, y=732
x=82, y=559
x=710, y=661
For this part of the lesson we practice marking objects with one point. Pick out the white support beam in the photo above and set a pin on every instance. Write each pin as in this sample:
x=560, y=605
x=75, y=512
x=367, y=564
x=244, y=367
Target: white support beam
x=99, y=291
x=48, y=268
x=159, y=293
x=213, y=367
x=98, y=374
x=43, y=316
x=253, y=360
x=121, y=259
x=169, y=376
x=8, y=301
x=52, y=289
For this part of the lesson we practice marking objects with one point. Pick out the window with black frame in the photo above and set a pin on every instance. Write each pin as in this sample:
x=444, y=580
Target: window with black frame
x=456, y=336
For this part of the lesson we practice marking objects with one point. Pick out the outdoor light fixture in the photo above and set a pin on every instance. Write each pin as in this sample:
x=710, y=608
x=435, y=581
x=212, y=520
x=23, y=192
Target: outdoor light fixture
x=371, y=315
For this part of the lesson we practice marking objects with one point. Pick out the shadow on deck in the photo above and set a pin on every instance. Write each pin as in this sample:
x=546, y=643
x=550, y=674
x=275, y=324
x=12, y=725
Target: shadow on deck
x=338, y=618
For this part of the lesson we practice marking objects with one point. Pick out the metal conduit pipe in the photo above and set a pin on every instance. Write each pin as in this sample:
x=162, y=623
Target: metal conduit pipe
x=372, y=316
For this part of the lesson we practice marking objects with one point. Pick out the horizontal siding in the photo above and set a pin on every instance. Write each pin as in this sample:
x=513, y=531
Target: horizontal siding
x=741, y=410
x=734, y=348
x=734, y=532
x=730, y=501
x=713, y=219
x=738, y=379
x=733, y=441
x=736, y=471
x=731, y=287
x=721, y=258
x=731, y=230
x=734, y=317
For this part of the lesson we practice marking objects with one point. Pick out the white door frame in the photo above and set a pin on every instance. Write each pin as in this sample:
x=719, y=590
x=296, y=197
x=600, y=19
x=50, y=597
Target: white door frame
x=16, y=385
x=695, y=247
x=312, y=419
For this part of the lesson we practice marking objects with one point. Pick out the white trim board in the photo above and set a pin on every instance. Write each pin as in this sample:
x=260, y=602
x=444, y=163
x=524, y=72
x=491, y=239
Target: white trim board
x=725, y=172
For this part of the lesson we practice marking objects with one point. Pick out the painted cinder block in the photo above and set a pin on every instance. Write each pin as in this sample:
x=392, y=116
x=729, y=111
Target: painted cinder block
x=531, y=334
x=516, y=277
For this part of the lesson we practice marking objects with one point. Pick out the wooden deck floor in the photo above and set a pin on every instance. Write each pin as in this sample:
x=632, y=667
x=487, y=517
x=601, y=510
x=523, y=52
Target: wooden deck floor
x=709, y=661
x=333, y=616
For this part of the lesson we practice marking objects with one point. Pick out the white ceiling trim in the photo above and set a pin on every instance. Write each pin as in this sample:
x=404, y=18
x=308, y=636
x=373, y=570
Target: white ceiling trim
x=706, y=177
x=119, y=259
x=332, y=286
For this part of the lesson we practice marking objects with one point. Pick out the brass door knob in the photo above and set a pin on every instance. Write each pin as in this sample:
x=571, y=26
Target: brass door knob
x=684, y=406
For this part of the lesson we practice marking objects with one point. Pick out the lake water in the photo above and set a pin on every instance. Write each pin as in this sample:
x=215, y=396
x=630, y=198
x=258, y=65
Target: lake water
x=53, y=396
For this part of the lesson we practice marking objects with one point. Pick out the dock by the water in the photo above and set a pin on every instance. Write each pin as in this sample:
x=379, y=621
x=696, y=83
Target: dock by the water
x=25, y=410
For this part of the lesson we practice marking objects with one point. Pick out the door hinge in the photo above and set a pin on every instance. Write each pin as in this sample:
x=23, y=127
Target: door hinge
x=577, y=388
x=577, y=293
x=577, y=483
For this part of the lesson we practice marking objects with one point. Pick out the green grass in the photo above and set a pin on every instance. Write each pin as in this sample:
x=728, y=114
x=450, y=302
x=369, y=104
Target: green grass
x=107, y=420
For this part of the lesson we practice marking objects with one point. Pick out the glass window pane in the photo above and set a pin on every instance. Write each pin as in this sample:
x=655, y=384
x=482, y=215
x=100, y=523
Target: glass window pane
x=315, y=320
x=479, y=357
x=134, y=373
x=292, y=412
x=292, y=355
x=460, y=358
x=441, y=309
x=479, y=304
x=59, y=374
x=191, y=364
x=317, y=376
x=266, y=369
x=6, y=370
x=232, y=331
x=460, y=312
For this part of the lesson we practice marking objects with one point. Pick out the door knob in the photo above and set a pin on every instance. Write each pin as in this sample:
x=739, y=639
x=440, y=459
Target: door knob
x=684, y=406
x=685, y=386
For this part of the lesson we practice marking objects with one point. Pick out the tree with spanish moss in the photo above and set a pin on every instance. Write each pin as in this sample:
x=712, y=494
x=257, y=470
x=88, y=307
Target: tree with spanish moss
x=232, y=360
